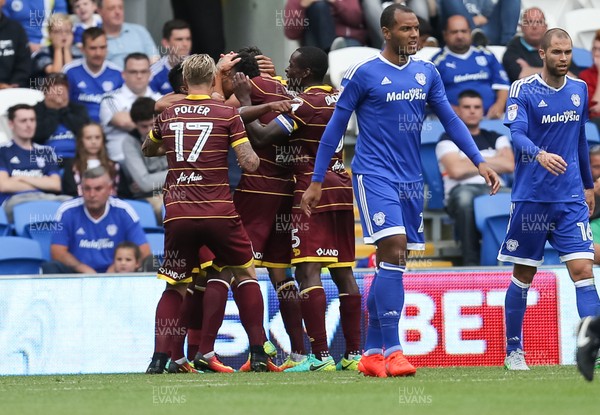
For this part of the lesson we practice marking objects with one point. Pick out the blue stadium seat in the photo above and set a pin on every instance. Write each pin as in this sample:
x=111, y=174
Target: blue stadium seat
x=38, y=211
x=591, y=133
x=146, y=214
x=157, y=244
x=20, y=256
x=5, y=226
x=582, y=57
x=495, y=125
x=491, y=218
x=430, y=134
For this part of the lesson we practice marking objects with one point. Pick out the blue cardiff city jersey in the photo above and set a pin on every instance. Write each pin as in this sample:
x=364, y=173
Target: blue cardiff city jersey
x=93, y=241
x=478, y=70
x=88, y=88
x=159, y=82
x=555, y=122
x=390, y=107
x=17, y=161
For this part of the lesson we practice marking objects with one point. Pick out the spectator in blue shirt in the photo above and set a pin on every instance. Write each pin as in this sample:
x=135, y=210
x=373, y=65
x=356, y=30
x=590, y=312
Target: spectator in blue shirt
x=91, y=227
x=124, y=38
x=33, y=16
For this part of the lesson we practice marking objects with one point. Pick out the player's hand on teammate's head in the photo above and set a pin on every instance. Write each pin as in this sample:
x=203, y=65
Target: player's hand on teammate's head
x=281, y=106
x=242, y=87
x=227, y=61
x=265, y=65
x=217, y=97
x=491, y=177
x=310, y=198
x=554, y=163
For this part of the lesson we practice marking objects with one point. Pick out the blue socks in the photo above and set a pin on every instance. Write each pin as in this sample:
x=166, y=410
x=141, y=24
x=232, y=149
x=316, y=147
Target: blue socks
x=587, y=298
x=515, y=304
x=389, y=299
x=374, y=340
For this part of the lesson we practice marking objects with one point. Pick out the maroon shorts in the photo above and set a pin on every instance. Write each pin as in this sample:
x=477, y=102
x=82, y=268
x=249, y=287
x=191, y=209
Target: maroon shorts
x=267, y=219
x=226, y=238
x=326, y=237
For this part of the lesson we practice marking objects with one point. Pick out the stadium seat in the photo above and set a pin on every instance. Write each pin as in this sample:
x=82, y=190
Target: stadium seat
x=427, y=52
x=13, y=96
x=5, y=226
x=39, y=211
x=432, y=130
x=582, y=24
x=342, y=59
x=491, y=218
x=157, y=244
x=497, y=50
x=554, y=10
x=582, y=57
x=495, y=125
x=591, y=133
x=146, y=214
x=20, y=256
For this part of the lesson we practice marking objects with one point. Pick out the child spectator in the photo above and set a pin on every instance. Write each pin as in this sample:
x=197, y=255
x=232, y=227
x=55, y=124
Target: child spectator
x=61, y=51
x=128, y=258
x=90, y=152
x=85, y=17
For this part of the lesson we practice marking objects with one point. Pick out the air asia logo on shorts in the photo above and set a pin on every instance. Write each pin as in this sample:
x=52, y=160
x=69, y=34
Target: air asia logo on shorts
x=379, y=218
x=512, y=245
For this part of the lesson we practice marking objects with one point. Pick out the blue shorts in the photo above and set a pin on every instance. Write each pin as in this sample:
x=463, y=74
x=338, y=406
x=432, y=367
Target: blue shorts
x=565, y=225
x=387, y=208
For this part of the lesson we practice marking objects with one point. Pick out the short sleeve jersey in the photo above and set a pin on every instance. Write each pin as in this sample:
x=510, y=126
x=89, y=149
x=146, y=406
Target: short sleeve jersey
x=197, y=133
x=306, y=124
x=40, y=161
x=93, y=241
x=478, y=69
x=88, y=88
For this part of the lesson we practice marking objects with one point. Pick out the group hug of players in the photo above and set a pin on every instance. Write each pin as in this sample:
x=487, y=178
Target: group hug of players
x=213, y=241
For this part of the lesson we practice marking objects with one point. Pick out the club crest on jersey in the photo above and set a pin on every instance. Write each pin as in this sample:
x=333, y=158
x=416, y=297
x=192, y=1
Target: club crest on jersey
x=40, y=161
x=512, y=112
x=421, y=78
x=575, y=100
x=108, y=86
x=481, y=60
x=512, y=245
x=379, y=218
x=111, y=230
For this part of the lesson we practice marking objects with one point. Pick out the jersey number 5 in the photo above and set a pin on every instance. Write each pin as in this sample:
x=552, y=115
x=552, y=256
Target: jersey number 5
x=179, y=128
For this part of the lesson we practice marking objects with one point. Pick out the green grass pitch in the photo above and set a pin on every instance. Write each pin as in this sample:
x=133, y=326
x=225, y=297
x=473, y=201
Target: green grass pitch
x=546, y=390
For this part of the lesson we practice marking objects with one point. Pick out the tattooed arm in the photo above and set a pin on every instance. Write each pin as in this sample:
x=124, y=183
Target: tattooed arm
x=246, y=157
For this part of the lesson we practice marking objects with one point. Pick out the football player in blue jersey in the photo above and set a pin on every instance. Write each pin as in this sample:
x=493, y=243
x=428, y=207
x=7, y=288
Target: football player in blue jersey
x=553, y=190
x=389, y=92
